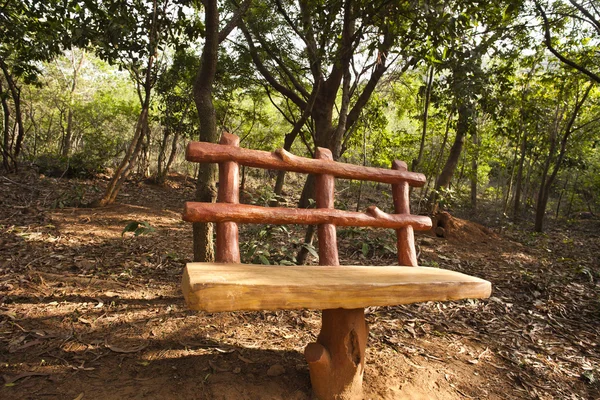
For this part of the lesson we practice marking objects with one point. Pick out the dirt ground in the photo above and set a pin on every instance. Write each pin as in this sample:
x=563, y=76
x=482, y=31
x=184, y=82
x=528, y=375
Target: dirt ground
x=89, y=313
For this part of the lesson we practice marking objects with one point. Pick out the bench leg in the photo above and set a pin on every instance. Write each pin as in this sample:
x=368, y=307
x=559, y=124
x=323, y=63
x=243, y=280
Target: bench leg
x=337, y=360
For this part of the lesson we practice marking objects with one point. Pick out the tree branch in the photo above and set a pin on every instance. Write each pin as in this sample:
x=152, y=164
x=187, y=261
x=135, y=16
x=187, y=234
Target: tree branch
x=288, y=119
x=283, y=67
x=285, y=91
x=311, y=43
x=548, y=42
x=380, y=69
x=235, y=20
x=585, y=12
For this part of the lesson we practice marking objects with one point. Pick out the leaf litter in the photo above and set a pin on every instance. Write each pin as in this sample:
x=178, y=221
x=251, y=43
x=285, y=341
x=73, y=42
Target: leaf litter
x=78, y=297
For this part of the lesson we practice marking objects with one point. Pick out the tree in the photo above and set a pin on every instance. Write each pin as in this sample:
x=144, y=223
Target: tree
x=579, y=45
x=559, y=137
x=467, y=79
x=101, y=106
x=347, y=47
x=178, y=116
x=30, y=32
x=206, y=189
x=134, y=36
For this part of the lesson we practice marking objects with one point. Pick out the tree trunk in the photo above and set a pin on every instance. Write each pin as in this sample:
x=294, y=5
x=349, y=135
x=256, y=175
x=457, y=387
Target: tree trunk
x=462, y=127
x=425, y=189
x=542, y=198
x=160, y=174
x=546, y=185
x=144, y=166
x=560, y=196
x=141, y=129
x=527, y=191
x=15, y=92
x=171, y=155
x=519, y=179
x=6, y=130
x=66, y=147
x=511, y=179
x=573, y=190
x=289, y=141
x=129, y=160
x=474, y=171
x=206, y=187
x=417, y=162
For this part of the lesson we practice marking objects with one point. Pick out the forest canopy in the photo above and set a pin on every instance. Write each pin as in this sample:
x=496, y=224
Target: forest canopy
x=495, y=102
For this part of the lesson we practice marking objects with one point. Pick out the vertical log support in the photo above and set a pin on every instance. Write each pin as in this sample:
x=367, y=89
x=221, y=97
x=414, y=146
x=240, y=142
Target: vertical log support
x=407, y=256
x=336, y=361
x=228, y=249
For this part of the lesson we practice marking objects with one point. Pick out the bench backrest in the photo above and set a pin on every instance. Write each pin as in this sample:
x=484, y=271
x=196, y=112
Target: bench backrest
x=228, y=213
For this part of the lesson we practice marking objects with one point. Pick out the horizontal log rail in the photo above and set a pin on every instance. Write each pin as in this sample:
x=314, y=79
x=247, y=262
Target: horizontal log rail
x=249, y=214
x=283, y=160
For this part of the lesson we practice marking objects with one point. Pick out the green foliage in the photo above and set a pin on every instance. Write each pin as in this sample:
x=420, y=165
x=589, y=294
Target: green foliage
x=483, y=60
x=138, y=228
x=369, y=244
x=79, y=165
x=73, y=197
x=32, y=32
x=269, y=245
x=103, y=109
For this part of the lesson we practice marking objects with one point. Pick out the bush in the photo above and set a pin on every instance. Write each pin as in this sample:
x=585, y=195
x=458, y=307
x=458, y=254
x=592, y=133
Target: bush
x=79, y=165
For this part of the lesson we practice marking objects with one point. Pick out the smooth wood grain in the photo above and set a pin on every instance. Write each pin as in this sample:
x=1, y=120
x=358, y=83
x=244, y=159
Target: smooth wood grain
x=407, y=254
x=248, y=214
x=235, y=287
x=282, y=160
x=228, y=248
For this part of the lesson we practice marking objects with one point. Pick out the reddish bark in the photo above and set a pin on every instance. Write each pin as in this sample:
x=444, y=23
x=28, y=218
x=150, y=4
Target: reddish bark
x=281, y=159
x=406, y=237
x=249, y=214
x=337, y=360
x=228, y=248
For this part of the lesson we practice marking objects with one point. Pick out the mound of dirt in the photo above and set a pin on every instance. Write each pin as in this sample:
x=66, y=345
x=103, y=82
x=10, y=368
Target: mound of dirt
x=459, y=230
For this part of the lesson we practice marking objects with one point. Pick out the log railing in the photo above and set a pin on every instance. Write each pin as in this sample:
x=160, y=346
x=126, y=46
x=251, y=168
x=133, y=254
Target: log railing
x=282, y=160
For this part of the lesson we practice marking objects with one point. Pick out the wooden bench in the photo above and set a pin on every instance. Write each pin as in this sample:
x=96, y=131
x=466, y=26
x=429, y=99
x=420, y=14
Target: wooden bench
x=336, y=361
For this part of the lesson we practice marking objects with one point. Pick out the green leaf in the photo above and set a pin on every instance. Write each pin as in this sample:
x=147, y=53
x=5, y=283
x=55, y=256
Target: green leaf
x=311, y=249
x=138, y=228
x=130, y=227
x=365, y=249
x=263, y=260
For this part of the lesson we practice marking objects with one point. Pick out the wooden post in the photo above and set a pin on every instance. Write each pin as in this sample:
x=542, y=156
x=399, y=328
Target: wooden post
x=336, y=361
x=407, y=256
x=228, y=249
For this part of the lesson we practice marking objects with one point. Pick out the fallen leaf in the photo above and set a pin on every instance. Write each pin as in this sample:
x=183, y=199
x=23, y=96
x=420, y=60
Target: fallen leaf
x=224, y=351
x=244, y=359
x=122, y=350
x=10, y=380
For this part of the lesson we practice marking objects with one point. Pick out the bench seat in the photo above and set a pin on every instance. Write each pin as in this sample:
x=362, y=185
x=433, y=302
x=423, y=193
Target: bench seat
x=217, y=287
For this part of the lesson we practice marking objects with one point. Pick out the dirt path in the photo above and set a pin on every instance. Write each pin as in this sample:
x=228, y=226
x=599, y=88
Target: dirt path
x=88, y=314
